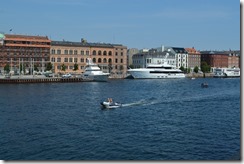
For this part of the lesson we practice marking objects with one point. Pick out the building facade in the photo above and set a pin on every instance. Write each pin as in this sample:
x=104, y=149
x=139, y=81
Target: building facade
x=109, y=57
x=194, y=58
x=23, y=51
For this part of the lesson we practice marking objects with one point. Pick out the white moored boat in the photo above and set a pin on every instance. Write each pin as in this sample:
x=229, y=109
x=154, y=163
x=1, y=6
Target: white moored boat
x=93, y=72
x=227, y=72
x=156, y=71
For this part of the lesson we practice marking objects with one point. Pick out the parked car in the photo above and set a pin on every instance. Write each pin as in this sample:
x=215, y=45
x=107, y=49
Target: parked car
x=68, y=75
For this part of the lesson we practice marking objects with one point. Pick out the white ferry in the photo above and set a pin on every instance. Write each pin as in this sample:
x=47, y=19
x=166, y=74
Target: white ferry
x=93, y=72
x=227, y=72
x=156, y=71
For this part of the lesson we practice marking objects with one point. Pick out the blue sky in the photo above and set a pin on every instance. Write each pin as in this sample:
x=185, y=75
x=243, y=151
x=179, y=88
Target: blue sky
x=203, y=24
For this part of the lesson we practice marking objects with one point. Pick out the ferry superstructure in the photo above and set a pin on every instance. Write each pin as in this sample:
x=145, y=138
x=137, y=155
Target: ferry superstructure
x=227, y=72
x=156, y=71
x=93, y=72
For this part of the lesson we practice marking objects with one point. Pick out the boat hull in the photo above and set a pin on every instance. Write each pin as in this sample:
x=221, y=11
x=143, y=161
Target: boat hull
x=107, y=105
x=101, y=78
x=154, y=74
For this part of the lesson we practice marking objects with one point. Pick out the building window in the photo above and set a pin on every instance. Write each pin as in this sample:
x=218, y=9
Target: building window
x=75, y=52
x=104, y=60
x=121, y=53
x=121, y=60
x=53, y=51
x=75, y=60
x=82, y=52
x=99, y=60
x=70, y=60
x=110, y=53
x=58, y=59
x=104, y=53
x=116, y=53
x=87, y=52
x=59, y=52
x=65, y=59
x=66, y=52
x=53, y=59
x=71, y=52
x=99, y=52
x=116, y=60
x=71, y=67
x=94, y=60
x=82, y=60
x=94, y=52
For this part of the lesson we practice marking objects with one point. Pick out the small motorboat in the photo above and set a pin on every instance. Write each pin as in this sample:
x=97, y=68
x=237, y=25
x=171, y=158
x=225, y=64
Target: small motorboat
x=110, y=104
x=204, y=85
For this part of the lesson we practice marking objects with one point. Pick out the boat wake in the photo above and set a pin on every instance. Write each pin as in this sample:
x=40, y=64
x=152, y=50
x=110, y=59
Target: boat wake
x=141, y=102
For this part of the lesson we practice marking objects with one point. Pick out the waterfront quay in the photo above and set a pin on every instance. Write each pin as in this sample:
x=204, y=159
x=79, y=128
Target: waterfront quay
x=39, y=79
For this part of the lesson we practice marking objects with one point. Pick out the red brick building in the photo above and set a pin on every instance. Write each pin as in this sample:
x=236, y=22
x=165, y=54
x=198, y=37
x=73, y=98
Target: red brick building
x=25, y=50
x=194, y=58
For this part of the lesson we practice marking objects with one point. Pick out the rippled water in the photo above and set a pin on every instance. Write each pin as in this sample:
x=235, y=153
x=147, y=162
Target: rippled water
x=159, y=120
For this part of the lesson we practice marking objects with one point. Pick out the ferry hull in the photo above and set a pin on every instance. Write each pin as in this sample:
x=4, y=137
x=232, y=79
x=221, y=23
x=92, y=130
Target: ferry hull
x=147, y=75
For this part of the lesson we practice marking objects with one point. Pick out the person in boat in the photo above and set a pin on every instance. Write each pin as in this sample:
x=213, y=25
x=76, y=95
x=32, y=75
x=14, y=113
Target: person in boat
x=110, y=100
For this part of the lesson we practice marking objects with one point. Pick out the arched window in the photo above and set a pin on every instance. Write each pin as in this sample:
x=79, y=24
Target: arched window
x=99, y=60
x=94, y=52
x=99, y=52
x=110, y=60
x=104, y=52
x=104, y=60
x=94, y=60
x=110, y=53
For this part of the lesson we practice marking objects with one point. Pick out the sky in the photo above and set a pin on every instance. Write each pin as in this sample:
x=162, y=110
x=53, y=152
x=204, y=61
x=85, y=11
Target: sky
x=202, y=24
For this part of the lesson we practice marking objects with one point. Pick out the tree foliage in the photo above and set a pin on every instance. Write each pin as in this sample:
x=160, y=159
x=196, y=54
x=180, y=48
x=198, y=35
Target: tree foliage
x=75, y=67
x=196, y=69
x=49, y=66
x=7, y=68
x=205, y=67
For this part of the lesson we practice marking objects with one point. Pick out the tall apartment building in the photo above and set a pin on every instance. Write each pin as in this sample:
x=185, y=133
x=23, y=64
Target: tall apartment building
x=194, y=58
x=109, y=57
x=24, y=50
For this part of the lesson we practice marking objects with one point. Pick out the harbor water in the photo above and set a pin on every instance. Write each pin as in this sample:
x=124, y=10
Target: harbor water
x=161, y=119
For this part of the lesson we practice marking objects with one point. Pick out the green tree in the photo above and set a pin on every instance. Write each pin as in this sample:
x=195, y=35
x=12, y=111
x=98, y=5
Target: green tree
x=182, y=69
x=196, y=69
x=7, y=68
x=36, y=68
x=76, y=67
x=63, y=67
x=49, y=66
x=205, y=68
